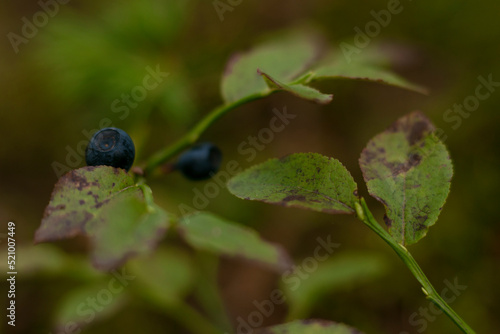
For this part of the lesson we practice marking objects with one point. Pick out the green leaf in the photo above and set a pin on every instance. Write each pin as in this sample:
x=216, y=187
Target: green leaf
x=39, y=260
x=207, y=232
x=305, y=92
x=164, y=278
x=103, y=203
x=49, y=261
x=77, y=198
x=309, y=326
x=338, y=273
x=302, y=180
x=284, y=57
x=88, y=304
x=408, y=169
x=127, y=226
x=286, y=62
x=368, y=66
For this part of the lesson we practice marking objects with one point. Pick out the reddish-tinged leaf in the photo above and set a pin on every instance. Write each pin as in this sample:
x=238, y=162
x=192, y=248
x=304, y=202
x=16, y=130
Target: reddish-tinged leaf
x=77, y=198
x=103, y=204
x=408, y=169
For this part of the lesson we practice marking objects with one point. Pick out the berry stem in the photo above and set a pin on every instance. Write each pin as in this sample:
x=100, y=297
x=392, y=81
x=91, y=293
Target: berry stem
x=192, y=136
x=366, y=217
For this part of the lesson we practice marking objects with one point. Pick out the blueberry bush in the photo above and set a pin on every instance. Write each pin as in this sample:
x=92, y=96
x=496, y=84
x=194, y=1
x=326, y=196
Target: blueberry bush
x=407, y=168
x=204, y=166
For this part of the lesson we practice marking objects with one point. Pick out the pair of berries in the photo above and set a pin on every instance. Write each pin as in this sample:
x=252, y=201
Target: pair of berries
x=114, y=147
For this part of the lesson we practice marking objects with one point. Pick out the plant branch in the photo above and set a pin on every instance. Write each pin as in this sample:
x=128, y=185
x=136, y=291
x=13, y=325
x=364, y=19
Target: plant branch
x=192, y=136
x=366, y=217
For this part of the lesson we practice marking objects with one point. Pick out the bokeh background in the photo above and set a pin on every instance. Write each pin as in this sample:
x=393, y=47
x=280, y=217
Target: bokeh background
x=64, y=79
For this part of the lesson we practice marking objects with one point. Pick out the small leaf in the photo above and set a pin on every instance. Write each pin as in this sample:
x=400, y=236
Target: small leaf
x=88, y=304
x=207, y=232
x=408, y=169
x=103, y=203
x=127, y=226
x=37, y=261
x=305, y=92
x=165, y=277
x=368, y=67
x=341, y=272
x=309, y=326
x=77, y=198
x=50, y=261
x=285, y=57
x=302, y=180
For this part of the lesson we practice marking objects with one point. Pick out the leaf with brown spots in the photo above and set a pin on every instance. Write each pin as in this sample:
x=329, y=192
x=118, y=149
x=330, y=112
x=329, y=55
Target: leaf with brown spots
x=208, y=232
x=104, y=204
x=409, y=170
x=77, y=198
x=309, y=326
x=302, y=180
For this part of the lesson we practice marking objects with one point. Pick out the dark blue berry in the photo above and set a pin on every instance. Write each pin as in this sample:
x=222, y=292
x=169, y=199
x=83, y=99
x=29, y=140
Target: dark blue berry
x=110, y=147
x=200, y=162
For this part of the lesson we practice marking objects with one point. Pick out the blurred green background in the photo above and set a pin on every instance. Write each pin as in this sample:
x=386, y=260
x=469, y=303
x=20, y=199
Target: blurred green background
x=64, y=80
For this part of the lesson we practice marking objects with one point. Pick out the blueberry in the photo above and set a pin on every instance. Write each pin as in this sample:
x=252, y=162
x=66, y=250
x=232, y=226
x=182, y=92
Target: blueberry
x=110, y=147
x=200, y=162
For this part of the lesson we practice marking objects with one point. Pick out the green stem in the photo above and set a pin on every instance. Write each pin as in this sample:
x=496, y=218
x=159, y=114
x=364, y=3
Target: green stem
x=366, y=217
x=192, y=320
x=148, y=196
x=192, y=136
x=207, y=291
